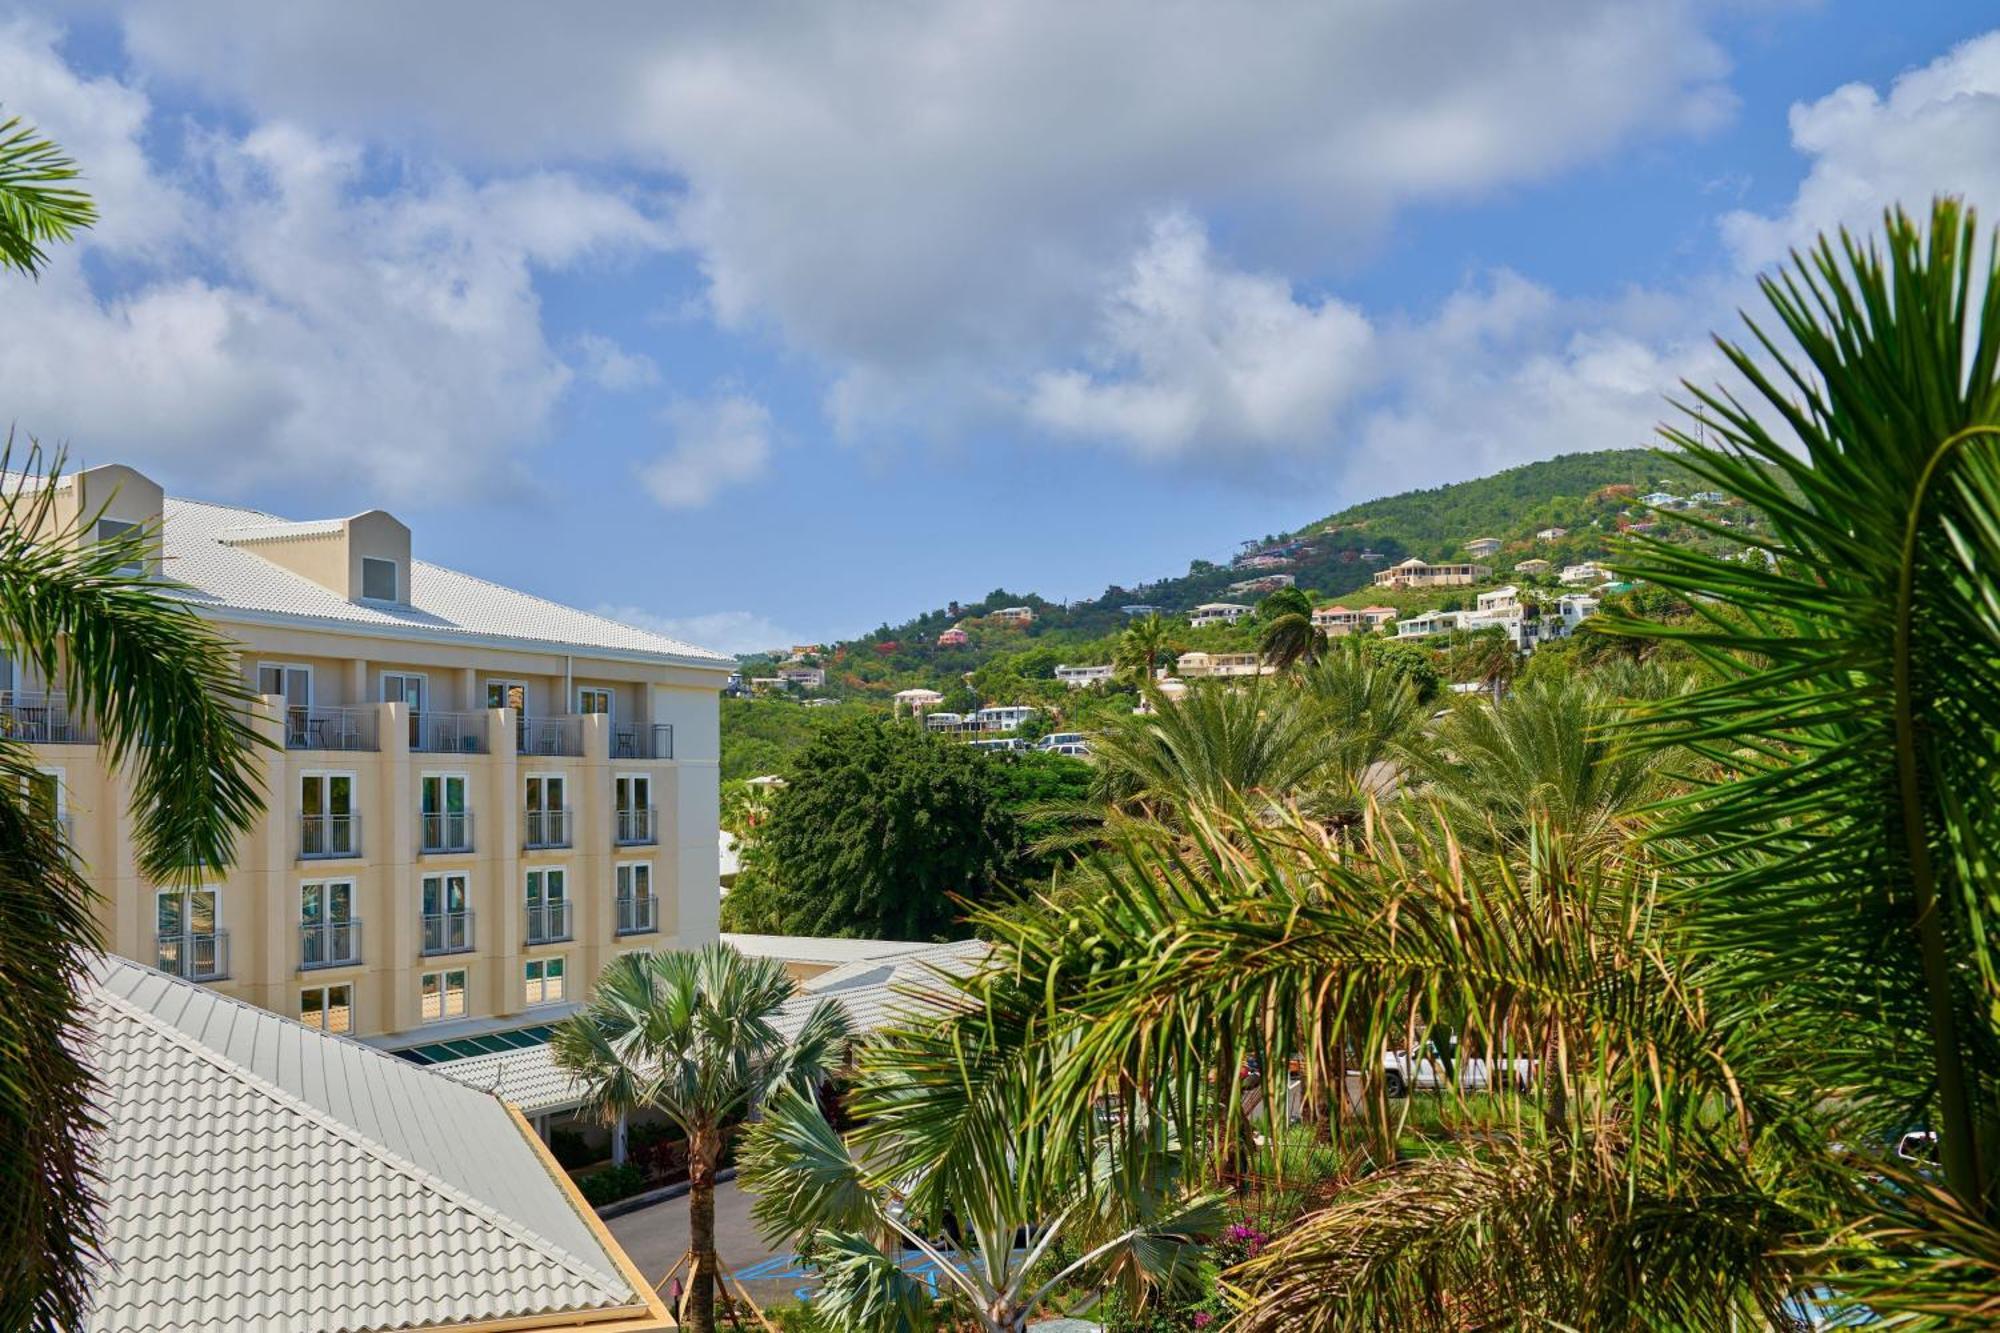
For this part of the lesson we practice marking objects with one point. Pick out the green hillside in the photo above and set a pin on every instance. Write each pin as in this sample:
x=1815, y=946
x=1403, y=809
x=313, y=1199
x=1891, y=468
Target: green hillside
x=1591, y=495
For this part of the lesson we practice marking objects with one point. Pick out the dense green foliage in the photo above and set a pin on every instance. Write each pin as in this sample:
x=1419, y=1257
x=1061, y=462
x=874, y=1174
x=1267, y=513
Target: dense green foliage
x=884, y=832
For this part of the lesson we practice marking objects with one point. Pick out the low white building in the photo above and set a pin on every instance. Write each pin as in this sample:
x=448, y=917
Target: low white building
x=806, y=678
x=916, y=702
x=1480, y=547
x=1500, y=600
x=1268, y=583
x=1076, y=677
x=1216, y=666
x=1432, y=622
x=1588, y=572
x=1003, y=717
x=1217, y=613
x=1551, y=535
x=943, y=721
x=1574, y=608
x=1016, y=615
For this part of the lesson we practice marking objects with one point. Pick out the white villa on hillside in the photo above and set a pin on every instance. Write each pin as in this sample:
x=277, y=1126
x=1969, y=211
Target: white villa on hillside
x=1268, y=583
x=1588, y=572
x=1337, y=620
x=1415, y=573
x=1216, y=666
x=1551, y=534
x=1076, y=677
x=1500, y=600
x=1534, y=566
x=1217, y=613
x=1481, y=547
x=916, y=701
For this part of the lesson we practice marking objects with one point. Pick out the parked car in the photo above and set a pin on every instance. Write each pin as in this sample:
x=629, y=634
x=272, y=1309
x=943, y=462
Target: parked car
x=1425, y=1072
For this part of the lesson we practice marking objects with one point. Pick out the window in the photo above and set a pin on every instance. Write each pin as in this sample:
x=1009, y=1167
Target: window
x=408, y=687
x=633, y=798
x=548, y=905
x=294, y=683
x=329, y=933
x=593, y=699
x=328, y=825
x=190, y=943
x=443, y=995
x=328, y=1008
x=545, y=980
x=447, y=825
x=636, y=908
x=378, y=579
x=46, y=796
x=111, y=530
x=547, y=812
x=447, y=921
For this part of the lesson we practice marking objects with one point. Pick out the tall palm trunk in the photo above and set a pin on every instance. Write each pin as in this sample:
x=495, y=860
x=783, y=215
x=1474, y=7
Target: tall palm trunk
x=702, y=1155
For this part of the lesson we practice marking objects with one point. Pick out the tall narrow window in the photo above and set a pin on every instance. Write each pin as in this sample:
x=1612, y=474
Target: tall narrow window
x=378, y=579
x=329, y=931
x=447, y=824
x=190, y=943
x=637, y=910
x=447, y=921
x=511, y=694
x=632, y=795
x=328, y=824
x=295, y=684
x=547, y=812
x=406, y=687
x=443, y=995
x=548, y=905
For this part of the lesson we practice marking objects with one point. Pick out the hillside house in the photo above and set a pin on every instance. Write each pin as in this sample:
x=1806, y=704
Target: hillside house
x=1574, y=608
x=1709, y=497
x=954, y=638
x=1551, y=534
x=1663, y=500
x=1577, y=575
x=1217, y=613
x=1076, y=677
x=1219, y=666
x=1013, y=615
x=916, y=702
x=1535, y=566
x=1481, y=547
x=1415, y=573
x=1268, y=583
x=942, y=721
x=1499, y=601
x=1338, y=620
x=1140, y=609
x=806, y=678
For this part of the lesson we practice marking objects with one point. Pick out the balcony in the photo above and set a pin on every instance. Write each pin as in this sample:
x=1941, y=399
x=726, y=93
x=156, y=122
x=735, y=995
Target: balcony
x=653, y=742
x=329, y=837
x=447, y=832
x=636, y=826
x=548, y=923
x=549, y=736
x=448, y=733
x=195, y=957
x=638, y=916
x=40, y=719
x=351, y=729
x=329, y=944
x=447, y=932
x=543, y=829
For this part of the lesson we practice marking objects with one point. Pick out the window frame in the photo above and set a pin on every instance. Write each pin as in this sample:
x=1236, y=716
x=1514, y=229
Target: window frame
x=395, y=578
x=97, y=537
x=443, y=979
x=610, y=710
x=325, y=993
x=535, y=981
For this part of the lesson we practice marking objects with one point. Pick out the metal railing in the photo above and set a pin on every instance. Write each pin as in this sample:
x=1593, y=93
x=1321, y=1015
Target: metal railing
x=196, y=957
x=447, y=932
x=544, y=828
x=330, y=729
x=41, y=719
x=548, y=922
x=329, y=944
x=643, y=742
x=448, y=733
x=549, y=735
x=446, y=831
x=636, y=826
x=326, y=837
x=638, y=915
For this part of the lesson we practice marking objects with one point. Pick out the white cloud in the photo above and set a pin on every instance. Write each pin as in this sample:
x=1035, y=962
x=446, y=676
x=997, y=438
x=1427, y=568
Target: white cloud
x=734, y=632
x=1196, y=355
x=609, y=366
x=278, y=312
x=1936, y=132
x=717, y=442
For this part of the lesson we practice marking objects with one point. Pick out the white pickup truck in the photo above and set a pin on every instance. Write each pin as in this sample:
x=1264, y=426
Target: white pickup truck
x=1424, y=1071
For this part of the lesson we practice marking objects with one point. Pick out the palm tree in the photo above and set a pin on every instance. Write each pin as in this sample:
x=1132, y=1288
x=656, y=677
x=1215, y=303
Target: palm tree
x=697, y=1037
x=1212, y=746
x=1288, y=636
x=169, y=706
x=1144, y=644
x=35, y=204
x=1375, y=719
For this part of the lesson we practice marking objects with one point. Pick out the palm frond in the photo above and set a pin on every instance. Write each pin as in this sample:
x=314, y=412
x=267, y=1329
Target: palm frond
x=36, y=205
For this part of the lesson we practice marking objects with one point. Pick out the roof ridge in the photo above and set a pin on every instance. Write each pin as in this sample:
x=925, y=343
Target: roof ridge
x=514, y=1229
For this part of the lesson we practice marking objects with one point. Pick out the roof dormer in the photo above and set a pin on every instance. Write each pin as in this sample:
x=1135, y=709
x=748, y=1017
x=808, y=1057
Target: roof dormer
x=365, y=558
x=114, y=499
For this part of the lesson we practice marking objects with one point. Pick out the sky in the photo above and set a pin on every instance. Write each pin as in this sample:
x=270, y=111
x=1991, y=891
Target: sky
x=763, y=324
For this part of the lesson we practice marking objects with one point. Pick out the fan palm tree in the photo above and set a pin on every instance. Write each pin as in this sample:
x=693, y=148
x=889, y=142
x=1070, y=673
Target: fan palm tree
x=37, y=205
x=1288, y=636
x=1145, y=643
x=1211, y=746
x=697, y=1037
x=167, y=700
x=1375, y=720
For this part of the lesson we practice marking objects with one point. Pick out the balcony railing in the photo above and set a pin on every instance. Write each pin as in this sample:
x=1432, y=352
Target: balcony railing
x=638, y=916
x=550, y=735
x=446, y=832
x=196, y=957
x=636, y=826
x=448, y=733
x=649, y=742
x=327, y=837
x=329, y=944
x=447, y=932
x=544, y=828
x=40, y=719
x=330, y=729
x=548, y=922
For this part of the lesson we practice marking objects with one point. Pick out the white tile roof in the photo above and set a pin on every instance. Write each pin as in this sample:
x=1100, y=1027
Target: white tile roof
x=259, y=1174
x=211, y=549
x=872, y=991
x=816, y=949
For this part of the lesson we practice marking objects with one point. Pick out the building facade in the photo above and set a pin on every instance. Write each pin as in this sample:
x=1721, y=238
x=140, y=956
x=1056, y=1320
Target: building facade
x=1415, y=573
x=474, y=797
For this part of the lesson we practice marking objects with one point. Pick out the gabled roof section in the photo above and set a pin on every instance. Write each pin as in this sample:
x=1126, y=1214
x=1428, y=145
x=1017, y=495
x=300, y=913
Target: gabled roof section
x=260, y=1174
x=212, y=549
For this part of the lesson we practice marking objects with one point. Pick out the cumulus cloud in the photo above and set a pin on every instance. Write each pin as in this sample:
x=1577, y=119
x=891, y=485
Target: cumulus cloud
x=734, y=632
x=1198, y=355
x=281, y=312
x=609, y=366
x=717, y=442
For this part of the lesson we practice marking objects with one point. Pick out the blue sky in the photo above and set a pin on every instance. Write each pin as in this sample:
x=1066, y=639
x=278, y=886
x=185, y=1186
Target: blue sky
x=762, y=324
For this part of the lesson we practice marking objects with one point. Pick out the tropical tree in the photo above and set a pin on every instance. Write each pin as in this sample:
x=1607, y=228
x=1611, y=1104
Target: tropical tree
x=1145, y=643
x=1213, y=746
x=166, y=698
x=1374, y=718
x=947, y=1159
x=1288, y=635
x=696, y=1036
x=37, y=203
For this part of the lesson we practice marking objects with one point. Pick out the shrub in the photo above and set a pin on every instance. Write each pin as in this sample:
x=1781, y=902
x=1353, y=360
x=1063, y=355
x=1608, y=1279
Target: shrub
x=611, y=1184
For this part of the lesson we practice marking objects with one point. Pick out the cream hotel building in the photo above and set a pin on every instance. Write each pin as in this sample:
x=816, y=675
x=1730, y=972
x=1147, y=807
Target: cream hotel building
x=474, y=797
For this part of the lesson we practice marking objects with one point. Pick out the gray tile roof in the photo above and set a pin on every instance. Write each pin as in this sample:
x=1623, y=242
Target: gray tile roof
x=261, y=1175
x=211, y=549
